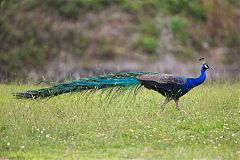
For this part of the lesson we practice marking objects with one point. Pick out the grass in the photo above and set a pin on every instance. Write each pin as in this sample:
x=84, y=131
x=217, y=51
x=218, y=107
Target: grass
x=66, y=127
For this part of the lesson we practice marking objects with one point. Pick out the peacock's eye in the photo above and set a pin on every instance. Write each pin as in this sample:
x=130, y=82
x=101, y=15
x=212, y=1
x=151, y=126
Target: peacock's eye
x=206, y=66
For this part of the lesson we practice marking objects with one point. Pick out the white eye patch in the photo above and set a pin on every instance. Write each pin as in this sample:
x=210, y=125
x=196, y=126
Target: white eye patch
x=206, y=66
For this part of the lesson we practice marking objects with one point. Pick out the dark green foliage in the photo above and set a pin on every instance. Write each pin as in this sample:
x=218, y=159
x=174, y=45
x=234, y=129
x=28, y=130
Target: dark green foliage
x=235, y=2
x=23, y=45
x=72, y=9
x=132, y=6
x=149, y=27
x=196, y=10
x=148, y=44
x=149, y=35
x=178, y=26
x=6, y=3
x=81, y=43
x=237, y=38
x=192, y=8
x=107, y=52
x=2, y=3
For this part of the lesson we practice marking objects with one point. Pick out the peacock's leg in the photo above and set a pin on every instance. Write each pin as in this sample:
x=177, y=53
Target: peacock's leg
x=178, y=107
x=165, y=102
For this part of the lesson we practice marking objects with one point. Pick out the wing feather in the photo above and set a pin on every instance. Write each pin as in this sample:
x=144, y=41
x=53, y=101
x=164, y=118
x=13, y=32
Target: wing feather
x=166, y=82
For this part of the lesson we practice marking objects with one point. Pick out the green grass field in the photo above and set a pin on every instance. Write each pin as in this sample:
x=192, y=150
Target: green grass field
x=125, y=127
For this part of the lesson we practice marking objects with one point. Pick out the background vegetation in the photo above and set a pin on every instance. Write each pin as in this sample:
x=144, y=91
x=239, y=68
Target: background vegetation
x=34, y=33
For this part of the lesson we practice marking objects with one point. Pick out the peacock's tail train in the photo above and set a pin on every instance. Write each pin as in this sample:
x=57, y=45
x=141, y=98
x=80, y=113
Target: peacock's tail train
x=121, y=80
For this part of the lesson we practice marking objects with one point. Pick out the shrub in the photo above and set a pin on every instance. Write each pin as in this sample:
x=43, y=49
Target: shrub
x=148, y=44
x=178, y=26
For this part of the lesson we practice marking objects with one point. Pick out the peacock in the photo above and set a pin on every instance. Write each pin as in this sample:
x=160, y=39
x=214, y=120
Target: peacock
x=170, y=86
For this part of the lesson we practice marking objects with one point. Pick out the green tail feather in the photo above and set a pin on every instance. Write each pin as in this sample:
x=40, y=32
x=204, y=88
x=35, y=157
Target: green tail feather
x=120, y=80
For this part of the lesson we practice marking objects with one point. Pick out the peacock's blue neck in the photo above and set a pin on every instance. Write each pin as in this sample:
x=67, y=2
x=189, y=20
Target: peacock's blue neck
x=193, y=82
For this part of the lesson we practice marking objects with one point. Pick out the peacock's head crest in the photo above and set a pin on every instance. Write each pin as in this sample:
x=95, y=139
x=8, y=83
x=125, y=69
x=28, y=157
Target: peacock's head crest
x=205, y=65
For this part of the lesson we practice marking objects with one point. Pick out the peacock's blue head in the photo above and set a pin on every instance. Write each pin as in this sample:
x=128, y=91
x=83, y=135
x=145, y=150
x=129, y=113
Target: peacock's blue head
x=205, y=66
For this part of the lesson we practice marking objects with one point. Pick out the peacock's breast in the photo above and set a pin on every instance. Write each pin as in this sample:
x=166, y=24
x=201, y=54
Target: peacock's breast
x=187, y=87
